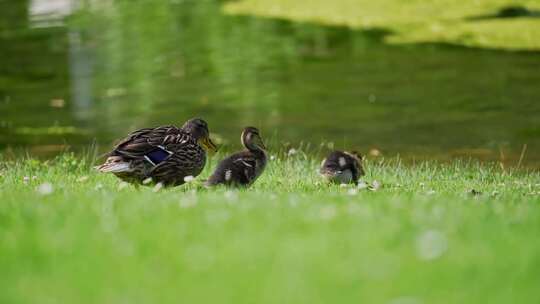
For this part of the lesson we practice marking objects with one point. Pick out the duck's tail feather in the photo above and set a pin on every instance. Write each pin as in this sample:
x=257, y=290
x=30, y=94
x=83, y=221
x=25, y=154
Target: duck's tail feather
x=114, y=164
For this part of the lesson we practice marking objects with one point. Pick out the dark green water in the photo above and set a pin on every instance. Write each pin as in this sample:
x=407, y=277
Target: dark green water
x=101, y=71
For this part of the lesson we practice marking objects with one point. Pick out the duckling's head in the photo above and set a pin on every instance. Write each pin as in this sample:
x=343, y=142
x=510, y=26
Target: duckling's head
x=251, y=139
x=198, y=128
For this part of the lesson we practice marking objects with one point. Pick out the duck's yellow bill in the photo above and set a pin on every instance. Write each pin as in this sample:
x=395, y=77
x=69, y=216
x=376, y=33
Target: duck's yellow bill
x=208, y=144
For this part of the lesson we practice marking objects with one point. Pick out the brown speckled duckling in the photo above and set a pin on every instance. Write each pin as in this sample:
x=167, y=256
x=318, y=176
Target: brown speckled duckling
x=342, y=167
x=242, y=168
x=164, y=154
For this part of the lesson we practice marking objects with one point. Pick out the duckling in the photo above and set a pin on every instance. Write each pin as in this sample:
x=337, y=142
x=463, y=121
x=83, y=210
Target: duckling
x=242, y=168
x=165, y=154
x=342, y=167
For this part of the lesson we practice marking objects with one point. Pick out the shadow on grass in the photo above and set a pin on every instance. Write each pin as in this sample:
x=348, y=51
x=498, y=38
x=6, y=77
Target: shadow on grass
x=508, y=12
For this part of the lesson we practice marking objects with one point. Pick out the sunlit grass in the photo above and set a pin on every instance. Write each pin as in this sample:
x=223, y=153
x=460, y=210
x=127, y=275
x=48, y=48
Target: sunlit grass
x=70, y=235
x=446, y=21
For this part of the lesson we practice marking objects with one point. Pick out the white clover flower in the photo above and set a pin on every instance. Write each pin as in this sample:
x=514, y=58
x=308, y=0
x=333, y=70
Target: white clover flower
x=189, y=178
x=362, y=185
x=122, y=185
x=431, y=244
x=188, y=202
x=328, y=213
x=405, y=300
x=231, y=196
x=157, y=187
x=147, y=181
x=45, y=189
x=352, y=208
x=291, y=152
x=375, y=185
x=430, y=192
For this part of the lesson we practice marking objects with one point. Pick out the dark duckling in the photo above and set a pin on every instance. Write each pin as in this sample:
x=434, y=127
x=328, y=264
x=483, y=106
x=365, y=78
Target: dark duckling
x=242, y=168
x=165, y=154
x=342, y=167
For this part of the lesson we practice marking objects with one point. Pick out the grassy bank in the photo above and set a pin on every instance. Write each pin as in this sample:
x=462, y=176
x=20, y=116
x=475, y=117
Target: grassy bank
x=468, y=23
x=69, y=235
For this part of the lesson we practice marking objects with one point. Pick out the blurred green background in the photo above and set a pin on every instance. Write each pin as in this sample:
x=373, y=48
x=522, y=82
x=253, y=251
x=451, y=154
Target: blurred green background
x=422, y=79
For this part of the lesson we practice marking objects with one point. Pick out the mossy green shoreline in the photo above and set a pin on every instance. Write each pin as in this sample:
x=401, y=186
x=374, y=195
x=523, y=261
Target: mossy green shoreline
x=468, y=23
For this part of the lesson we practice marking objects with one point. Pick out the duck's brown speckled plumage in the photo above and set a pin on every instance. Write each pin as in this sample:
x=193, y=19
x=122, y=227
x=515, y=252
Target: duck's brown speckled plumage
x=129, y=159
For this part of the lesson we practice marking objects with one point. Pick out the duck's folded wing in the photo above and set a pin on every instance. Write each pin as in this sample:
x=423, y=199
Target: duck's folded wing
x=182, y=163
x=246, y=167
x=144, y=141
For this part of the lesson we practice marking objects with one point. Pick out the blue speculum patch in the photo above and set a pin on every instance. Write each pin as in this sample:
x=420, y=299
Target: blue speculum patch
x=157, y=155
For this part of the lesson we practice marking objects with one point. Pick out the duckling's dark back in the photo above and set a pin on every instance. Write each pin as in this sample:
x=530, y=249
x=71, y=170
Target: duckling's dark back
x=239, y=169
x=337, y=163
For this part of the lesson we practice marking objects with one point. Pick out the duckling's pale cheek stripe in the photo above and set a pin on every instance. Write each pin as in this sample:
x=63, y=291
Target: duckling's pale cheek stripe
x=342, y=161
x=243, y=162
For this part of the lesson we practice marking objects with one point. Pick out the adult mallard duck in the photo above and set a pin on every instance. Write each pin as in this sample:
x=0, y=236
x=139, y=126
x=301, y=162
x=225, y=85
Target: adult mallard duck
x=164, y=154
x=242, y=168
x=342, y=167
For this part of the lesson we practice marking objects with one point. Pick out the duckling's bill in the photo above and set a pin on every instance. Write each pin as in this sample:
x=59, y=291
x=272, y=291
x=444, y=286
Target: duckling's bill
x=258, y=142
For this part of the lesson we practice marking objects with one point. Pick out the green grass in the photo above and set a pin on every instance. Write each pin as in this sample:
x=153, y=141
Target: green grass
x=421, y=238
x=413, y=21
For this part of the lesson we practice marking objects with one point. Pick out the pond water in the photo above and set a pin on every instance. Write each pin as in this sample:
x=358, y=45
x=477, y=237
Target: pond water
x=77, y=73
